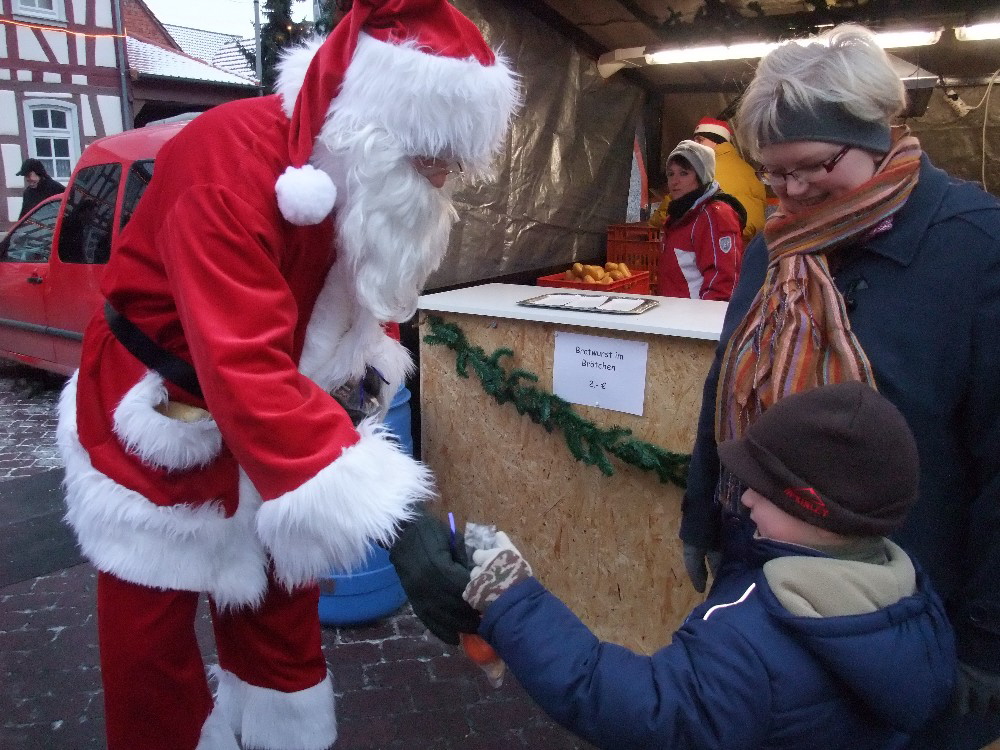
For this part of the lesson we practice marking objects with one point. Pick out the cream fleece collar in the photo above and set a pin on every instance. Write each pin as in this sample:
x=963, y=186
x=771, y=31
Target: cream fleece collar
x=830, y=587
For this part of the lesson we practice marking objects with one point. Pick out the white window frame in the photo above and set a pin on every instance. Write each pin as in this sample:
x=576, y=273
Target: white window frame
x=72, y=132
x=58, y=12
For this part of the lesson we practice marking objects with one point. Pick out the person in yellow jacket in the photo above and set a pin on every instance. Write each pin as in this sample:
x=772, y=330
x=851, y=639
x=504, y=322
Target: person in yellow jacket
x=733, y=174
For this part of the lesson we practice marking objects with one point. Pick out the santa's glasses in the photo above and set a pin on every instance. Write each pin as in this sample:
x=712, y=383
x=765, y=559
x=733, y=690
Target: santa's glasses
x=431, y=167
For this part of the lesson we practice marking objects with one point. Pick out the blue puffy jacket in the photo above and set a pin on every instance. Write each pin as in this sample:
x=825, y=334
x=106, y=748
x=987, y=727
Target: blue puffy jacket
x=741, y=672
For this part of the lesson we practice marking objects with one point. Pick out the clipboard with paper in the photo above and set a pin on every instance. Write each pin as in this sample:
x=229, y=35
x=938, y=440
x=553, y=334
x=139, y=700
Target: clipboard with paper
x=601, y=303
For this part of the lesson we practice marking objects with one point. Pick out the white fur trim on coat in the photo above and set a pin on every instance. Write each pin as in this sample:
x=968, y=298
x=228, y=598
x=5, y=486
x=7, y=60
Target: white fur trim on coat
x=306, y=195
x=268, y=719
x=343, y=338
x=292, y=68
x=180, y=547
x=434, y=105
x=216, y=733
x=329, y=522
x=158, y=440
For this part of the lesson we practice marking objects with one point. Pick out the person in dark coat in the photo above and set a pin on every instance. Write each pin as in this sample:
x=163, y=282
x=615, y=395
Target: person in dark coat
x=38, y=185
x=907, y=262
x=824, y=633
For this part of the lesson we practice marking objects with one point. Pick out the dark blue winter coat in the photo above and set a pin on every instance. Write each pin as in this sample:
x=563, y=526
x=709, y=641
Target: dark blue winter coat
x=924, y=301
x=742, y=672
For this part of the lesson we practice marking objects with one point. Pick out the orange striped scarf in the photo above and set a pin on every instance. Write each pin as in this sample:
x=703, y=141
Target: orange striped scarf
x=796, y=334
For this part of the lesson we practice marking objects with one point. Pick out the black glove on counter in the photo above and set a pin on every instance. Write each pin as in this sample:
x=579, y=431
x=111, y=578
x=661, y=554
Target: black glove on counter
x=434, y=577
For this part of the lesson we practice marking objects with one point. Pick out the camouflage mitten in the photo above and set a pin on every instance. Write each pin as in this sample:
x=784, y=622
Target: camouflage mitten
x=496, y=570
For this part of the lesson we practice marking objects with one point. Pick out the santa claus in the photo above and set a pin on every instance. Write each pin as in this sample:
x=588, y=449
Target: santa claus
x=208, y=434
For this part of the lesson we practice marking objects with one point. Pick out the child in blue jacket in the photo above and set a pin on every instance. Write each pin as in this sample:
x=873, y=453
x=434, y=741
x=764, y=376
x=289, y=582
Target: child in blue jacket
x=825, y=634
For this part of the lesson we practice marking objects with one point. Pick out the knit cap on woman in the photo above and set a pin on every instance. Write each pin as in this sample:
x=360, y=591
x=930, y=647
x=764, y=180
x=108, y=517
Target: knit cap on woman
x=701, y=158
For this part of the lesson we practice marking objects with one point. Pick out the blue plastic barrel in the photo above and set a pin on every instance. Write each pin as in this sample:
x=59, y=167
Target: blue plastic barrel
x=365, y=595
x=398, y=419
x=373, y=591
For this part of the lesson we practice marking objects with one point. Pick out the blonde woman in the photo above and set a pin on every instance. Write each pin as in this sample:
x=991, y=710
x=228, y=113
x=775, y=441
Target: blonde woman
x=877, y=267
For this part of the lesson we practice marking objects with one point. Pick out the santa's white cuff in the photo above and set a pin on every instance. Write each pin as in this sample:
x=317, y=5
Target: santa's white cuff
x=328, y=523
x=216, y=734
x=270, y=719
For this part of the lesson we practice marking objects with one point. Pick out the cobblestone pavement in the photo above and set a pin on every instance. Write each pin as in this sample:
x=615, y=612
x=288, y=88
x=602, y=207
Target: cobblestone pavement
x=397, y=687
x=27, y=421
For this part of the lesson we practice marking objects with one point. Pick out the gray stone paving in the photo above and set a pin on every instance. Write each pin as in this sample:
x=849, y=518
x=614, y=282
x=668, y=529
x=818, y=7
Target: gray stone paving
x=27, y=421
x=397, y=687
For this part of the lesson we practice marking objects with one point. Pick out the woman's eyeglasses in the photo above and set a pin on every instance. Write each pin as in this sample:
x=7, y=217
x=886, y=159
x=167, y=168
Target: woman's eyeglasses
x=802, y=175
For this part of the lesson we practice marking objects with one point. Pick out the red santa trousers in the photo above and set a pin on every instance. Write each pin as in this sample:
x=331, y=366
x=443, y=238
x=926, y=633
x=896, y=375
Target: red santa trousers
x=156, y=695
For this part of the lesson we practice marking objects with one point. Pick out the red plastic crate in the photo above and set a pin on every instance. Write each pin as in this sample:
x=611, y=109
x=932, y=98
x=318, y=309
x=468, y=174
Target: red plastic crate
x=637, y=246
x=637, y=283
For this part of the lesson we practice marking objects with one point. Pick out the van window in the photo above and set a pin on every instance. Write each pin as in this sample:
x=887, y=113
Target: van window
x=85, y=236
x=31, y=241
x=139, y=175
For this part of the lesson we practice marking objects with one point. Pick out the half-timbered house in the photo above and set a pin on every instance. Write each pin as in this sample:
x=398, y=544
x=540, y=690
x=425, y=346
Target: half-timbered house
x=61, y=85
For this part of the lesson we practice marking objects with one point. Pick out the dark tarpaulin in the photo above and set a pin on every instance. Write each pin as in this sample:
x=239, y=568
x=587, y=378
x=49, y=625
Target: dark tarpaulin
x=958, y=144
x=564, y=174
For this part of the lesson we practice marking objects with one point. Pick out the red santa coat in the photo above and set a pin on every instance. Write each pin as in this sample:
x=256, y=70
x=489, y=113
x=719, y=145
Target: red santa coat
x=701, y=252
x=211, y=271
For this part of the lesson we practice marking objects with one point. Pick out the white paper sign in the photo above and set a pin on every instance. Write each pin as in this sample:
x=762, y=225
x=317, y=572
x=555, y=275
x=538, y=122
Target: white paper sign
x=599, y=371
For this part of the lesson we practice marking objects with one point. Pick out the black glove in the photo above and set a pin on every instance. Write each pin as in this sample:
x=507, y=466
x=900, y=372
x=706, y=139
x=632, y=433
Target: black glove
x=695, y=559
x=976, y=691
x=359, y=398
x=434, y=572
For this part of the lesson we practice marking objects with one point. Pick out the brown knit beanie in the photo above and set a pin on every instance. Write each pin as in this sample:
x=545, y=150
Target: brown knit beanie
x=840, y=457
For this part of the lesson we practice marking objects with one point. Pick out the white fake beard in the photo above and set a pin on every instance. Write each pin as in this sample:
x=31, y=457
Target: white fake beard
x=392, y=224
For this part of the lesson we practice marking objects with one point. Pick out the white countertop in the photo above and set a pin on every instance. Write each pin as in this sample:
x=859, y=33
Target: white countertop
x=685, y=318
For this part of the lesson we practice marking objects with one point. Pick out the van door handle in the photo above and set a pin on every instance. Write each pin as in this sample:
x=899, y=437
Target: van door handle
x=35, y=279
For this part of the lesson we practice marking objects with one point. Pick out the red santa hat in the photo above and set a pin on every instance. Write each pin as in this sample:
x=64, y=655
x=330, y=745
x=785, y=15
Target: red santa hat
x=715, y=127
x=418, y=68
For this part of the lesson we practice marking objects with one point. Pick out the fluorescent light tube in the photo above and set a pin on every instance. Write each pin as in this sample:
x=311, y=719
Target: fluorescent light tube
x=752, y=50
x=894, y=39
x=711, y=53
x=977, y=32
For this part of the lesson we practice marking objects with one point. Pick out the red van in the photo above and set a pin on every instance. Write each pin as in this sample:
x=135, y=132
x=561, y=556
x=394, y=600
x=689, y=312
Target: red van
x=52, y=260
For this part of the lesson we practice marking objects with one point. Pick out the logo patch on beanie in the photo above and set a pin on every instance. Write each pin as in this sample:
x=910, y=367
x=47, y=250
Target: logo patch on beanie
x=809, y=499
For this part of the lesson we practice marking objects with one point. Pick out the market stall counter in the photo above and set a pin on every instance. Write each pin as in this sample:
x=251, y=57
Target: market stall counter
x=601, y=535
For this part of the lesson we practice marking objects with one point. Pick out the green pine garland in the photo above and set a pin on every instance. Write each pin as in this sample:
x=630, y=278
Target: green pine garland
x=586, y=441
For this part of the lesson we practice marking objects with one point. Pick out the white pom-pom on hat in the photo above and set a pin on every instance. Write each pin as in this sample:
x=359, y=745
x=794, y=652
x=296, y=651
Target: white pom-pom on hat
x=306, y=195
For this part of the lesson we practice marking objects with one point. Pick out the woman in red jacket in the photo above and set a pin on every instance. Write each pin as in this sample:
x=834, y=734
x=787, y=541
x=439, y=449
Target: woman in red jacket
x=703, y=236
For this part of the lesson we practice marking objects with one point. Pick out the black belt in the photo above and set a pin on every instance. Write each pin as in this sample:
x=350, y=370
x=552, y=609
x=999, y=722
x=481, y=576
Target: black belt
x=171, y=367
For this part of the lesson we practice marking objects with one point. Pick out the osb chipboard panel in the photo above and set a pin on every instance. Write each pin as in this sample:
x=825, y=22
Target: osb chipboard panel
x=607, y=546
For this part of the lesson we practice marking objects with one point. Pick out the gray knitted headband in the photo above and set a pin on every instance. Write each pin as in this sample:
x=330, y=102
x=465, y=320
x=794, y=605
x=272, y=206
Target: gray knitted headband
x=829, y=122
